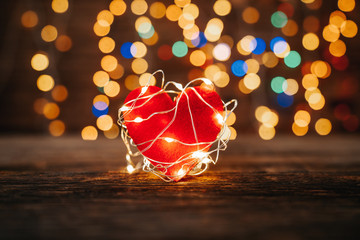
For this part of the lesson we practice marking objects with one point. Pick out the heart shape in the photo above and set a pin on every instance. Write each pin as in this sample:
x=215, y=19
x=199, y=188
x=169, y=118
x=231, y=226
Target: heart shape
x=173, y=135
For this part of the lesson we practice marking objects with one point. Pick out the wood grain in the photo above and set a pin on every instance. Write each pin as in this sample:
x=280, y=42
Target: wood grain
x=289, y=188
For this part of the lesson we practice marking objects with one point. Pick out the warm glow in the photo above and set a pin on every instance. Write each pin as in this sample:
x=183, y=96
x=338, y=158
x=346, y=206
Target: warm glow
x=222, y=52
x=106, y=44
x=191, y=9
x=270, y=60
x=63, y=43
x=169, y=140
x=101, y=78
x=197, y=58
x=252, y=81
x=219, y=118
x=144, y=80
x=109, y=63
x=222, y=8
x=59, y=93
x=130, y=168
x=117, y=7
x=231, y=119
x=349, y=29
x=139, y=7
x=113, y=132
x=310, y=81
x=157, y=10
x=302, y=118
x=112, y=89
x=138, y=120
x=173, y=12
x=337, y=48
x=346, y=5
x=49, y=33
x=51, y=110
x=29, y=19
x=39, y=62
x=138, y=49
x=89, y=133
x=100, y=30
x=117, y=73
x=299, y=131
x=132, y=82
x=45, y=83
x=250, y=15
x=331, y=33
x=139, y=65
x=323, y=126
x=104, y=122
x=310, y=41
x=199, y=154
x=105, y=18
x=221, y=79
x=60, y=6
x=57, y=128
x=266, y=133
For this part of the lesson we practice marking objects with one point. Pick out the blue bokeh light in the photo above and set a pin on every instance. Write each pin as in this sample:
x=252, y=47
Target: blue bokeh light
x=200, y=41
x=100, y=108
x=126, y=50
x=260, y=46
x=239, y=68
x=276, y=40
x=285, y=100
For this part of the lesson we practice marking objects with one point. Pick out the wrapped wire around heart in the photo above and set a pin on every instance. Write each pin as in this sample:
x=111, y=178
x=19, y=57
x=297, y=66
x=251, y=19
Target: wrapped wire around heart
x=174, y=138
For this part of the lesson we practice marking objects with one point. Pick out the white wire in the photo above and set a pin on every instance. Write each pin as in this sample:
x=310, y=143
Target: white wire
x=147, y=163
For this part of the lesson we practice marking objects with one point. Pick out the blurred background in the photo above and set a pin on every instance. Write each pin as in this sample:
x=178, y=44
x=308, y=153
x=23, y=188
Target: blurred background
x=67, y=66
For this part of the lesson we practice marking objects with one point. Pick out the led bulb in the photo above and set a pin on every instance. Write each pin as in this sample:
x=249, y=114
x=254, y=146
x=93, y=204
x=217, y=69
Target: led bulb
x=220, y=119
x=207, y=81
x=130, y=169
x=181, y=172
x=199, y=154
x=179, y=86
x=169, y=140
x=138, y=119
x=124, y=108
x=143, y=90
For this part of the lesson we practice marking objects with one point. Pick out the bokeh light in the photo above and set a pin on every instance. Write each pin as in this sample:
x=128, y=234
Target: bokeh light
x=39, y=62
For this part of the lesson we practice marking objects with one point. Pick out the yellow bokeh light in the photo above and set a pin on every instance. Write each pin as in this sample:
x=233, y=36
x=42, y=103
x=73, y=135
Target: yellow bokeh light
x=231, y=119
x=104, y=122
x=51, y=110
x=266, y=133
x=197, y=58
x=138, y=50
x=106, y=44
x=113, y=132
x=144, y=79
x=39, y=105
x=132, y=82
x=253, y=65
x=157, y=10
x=191, y=9
x=89, y=133
x=222, y=8
x=109, y=63
x=213, y=29
x=139, y=7
x=337, y=48
x=233, y=133
x=112, y=89
x=323, y=126
x=310, y=41
x=250, y=15
x=252, y=81
x=105, y=18
x=117, y=7
x=60, y=6
x=182, y=3
x=290, y=29
x=39, y=62
x=290, y=87
x=302, y=118
x=59, y=93
x=117, y=73
x=100, y=30
x=310, y=92
x=349, y=29
x=310, y=81
x=29, y=19
x=151, y=41
x=45, y=83
x=299, y=131
x=139, y=65
x=101, y=98
x=191, y=33
x=49, y=33
x=316, y=102
x=63, y=43
x=346, y=5
x=221, y=79
x=260, y=111
x=269, y=59
x=211, y=70
x=56, y=128
x=173, y=12
x=101, y=78
x=307, y=1
x=269, y=119
x=337, y=18
x=243, y=88
x=186, y=21
x=321, y=69
x=331, y=33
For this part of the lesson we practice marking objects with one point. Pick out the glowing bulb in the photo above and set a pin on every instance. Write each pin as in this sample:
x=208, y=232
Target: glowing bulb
x=220, y=119
x=206, y=160
x=179, y=86
x=124, y=108
x=199, y=154
x=138, y=119
x=130, y=169
x=181, y=172
x=169, y=140
x=207, y=81
x=143, y=90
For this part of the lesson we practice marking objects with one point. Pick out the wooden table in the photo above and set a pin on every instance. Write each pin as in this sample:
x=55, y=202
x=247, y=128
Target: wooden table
x=287, y=188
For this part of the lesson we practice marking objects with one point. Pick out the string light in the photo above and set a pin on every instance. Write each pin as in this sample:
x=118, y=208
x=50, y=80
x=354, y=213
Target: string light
x=199, y=158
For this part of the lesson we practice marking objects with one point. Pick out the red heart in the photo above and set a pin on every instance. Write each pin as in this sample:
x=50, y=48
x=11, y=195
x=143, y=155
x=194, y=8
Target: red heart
x=168, y=138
